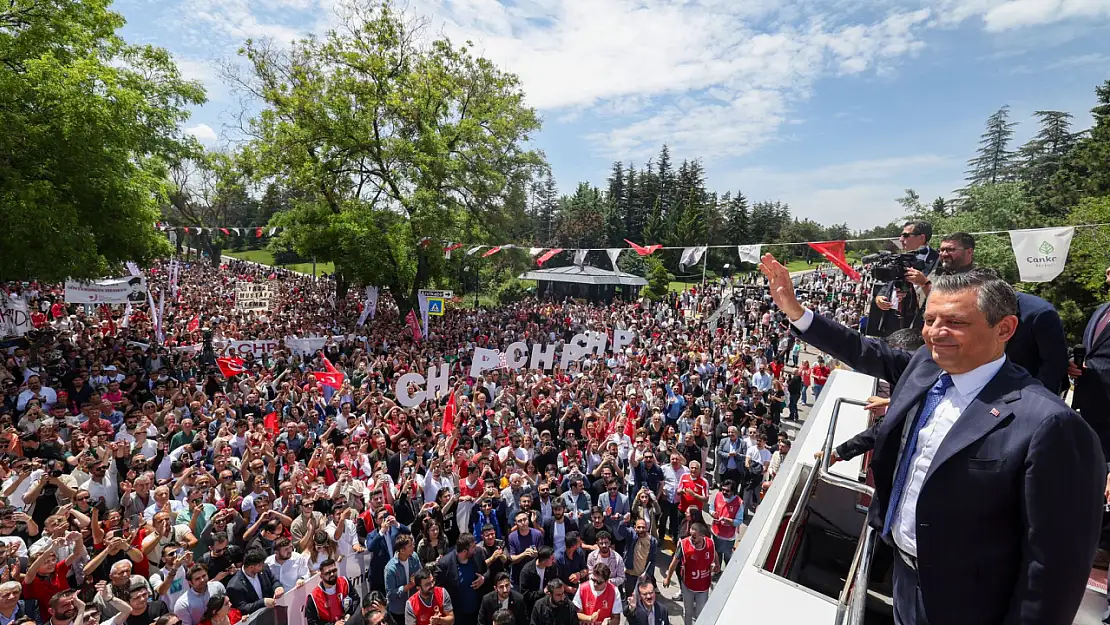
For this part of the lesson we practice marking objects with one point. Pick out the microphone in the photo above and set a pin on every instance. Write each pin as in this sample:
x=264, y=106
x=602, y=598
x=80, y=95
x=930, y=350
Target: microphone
x=1078, y=354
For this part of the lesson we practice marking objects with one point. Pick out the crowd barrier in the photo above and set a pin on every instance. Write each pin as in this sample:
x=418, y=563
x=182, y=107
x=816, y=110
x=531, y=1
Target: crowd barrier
x=289, y=610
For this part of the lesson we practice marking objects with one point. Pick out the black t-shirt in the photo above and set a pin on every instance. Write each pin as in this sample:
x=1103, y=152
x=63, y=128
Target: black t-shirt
x=154, y=610
x=219, y=564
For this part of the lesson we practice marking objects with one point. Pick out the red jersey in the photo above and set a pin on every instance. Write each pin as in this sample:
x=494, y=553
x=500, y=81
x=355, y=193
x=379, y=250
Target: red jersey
x=820, y=374
x=330, y=607
x=42, y=589
x=599, y=604
x=723, y=524
x=424, y=613
x=697, y=565
x=698, y=485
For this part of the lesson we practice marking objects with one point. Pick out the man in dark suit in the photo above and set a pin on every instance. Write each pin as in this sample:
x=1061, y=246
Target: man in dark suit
x=254, y=586
x=642, y=608
x=535, y=575
x=968, y=463
x=1092, y=379
x=503, y=595
x=457, y=564
x=556, y=528
x=1039, y=343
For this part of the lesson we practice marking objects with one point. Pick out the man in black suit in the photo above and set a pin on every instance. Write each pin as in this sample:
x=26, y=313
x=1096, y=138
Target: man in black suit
x=1092, y=378
x=642, y=608
x=1038, y=344
x=968, y=463
x=254, y=587
x=556, y=528
x=535, y=575
x=503, y=597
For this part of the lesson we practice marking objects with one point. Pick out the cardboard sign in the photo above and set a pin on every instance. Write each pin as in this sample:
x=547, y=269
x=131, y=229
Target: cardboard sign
x=253, y=296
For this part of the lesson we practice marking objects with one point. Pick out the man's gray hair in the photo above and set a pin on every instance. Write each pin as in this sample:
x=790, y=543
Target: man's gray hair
x=996, y=298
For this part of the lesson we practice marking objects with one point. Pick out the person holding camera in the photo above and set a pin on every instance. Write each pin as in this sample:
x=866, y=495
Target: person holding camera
x=900, y=302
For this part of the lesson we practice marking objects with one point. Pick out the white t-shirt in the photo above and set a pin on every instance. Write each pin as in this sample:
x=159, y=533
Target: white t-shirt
x=617, y=605
x=16, y=498
x=347, y=540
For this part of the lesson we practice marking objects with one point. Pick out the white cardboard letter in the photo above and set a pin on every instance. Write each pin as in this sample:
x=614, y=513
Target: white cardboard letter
x=517, y=354
x=622, y=339
x=402, y=390
x=545, y=357
x=438, y=379
x=484, y=360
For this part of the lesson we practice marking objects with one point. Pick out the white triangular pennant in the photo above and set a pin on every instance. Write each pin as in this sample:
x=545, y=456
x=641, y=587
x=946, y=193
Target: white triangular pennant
x=474, y=250
x=749, y=253
x=614, y=253
x=533, y=251
x=580, y=257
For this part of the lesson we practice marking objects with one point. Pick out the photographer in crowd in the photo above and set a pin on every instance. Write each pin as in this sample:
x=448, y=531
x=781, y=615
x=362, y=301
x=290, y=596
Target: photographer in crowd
x=901, y=297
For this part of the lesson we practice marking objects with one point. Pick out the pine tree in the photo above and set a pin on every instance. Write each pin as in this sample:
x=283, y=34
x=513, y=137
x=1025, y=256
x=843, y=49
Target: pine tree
x=1086, y=169
x=655, y=229
x=1043, y=156
x=994, y=162
x=940, y=207
x=736, y=216
x=633, y=200
x=666, y=183
x=547, y=207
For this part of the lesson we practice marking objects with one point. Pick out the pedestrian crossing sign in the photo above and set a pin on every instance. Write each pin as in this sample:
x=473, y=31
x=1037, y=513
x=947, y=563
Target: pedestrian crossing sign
x=435, y=306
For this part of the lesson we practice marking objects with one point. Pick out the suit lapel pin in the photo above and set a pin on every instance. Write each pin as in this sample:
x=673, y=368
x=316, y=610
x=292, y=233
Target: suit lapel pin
x=994, y=411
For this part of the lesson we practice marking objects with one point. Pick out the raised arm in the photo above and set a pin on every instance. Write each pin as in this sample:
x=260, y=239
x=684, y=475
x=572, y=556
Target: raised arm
x=864, y=354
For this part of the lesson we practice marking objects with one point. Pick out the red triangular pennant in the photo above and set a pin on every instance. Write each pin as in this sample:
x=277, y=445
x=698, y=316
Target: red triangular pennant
x=258, y=233
x=548, y=255
x=644, y=250
x=833, y=251
x=492, y=251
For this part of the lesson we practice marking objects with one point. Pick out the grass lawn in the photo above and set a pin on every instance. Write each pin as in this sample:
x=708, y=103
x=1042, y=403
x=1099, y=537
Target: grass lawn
x=266, y=258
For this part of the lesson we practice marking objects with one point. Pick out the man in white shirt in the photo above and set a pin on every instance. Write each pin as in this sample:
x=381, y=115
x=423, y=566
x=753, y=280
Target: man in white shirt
x=35, y=390
x=288, y=566
x=668, y=502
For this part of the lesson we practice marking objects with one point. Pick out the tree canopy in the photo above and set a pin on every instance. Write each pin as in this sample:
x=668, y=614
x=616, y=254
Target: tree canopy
x=392, y=139
x=90, y=123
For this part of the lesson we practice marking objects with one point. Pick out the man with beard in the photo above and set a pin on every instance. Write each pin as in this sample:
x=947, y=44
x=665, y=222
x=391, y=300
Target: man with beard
x=431, y=605
x=555, y=608
x=599, y=601
x=333, y=600
x=504, y=598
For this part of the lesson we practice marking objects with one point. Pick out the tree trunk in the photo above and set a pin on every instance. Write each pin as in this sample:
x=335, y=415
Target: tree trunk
x=342, y=284
x=418, y=281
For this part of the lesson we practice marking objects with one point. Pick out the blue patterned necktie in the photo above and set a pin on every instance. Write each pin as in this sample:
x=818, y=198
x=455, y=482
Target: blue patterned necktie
x=932, y=400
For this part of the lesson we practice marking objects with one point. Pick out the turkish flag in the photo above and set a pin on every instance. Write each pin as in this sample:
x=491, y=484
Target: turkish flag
x=630, y=418
x=258, y=233
x=833, y=251
x=272, y=422
x=449, y=415
x=333, y=379
x=230, y=367
x=225, y=231
x=644, y=250
x=194, y=323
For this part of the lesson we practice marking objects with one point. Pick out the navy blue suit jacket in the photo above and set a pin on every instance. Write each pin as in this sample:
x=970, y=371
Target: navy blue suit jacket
x=1092, y=389
x=1039, y=344
x=1009, y=515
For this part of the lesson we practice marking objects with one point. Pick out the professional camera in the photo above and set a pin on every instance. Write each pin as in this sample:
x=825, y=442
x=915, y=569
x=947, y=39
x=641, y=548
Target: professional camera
x=891, y=267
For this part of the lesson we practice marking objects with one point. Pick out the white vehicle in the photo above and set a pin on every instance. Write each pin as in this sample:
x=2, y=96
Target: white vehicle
x=808, y=555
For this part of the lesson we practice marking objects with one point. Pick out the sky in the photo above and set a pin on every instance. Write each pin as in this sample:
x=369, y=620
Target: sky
x=832, y=106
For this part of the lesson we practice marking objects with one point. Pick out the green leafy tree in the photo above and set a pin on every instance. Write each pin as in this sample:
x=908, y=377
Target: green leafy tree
x=1002, y=206
x=659, y=280
x=392, y=140
x=581, y=219
x=210, y=192
x=1081, y=287
x=89, y=123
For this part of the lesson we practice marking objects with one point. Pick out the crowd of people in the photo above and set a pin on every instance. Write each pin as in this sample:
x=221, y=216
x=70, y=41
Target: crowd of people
x=141, y=485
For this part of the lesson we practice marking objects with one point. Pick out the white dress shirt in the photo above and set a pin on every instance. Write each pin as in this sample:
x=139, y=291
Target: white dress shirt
x=965, y=387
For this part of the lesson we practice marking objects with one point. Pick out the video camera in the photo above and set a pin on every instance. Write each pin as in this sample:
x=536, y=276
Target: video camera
x=891, y=267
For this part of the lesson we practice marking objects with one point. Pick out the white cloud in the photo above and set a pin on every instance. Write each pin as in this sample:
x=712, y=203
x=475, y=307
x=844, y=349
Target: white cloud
x=204, y=134
x=1003, y=15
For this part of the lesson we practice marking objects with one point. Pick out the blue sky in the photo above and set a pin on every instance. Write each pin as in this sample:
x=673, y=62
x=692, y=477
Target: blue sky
x=834, y=106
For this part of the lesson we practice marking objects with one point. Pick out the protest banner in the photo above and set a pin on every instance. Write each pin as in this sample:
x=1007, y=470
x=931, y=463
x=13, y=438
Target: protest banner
x=112, y=291
x=295, y=600
x=15, y=320
x=253, y=296
x=257, y=348
x=305, y=346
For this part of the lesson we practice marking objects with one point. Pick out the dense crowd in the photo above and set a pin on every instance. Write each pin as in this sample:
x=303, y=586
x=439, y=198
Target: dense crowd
x=139, y=484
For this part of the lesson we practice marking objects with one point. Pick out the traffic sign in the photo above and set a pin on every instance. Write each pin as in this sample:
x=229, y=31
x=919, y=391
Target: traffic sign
x=435, y=306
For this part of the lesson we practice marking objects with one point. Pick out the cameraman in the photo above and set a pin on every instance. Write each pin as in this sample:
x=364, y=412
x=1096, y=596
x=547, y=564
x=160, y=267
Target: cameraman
x=884, y=317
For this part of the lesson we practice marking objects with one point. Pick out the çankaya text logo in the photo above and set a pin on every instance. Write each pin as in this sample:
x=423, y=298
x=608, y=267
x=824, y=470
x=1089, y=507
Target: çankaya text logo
x=1044, y=248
